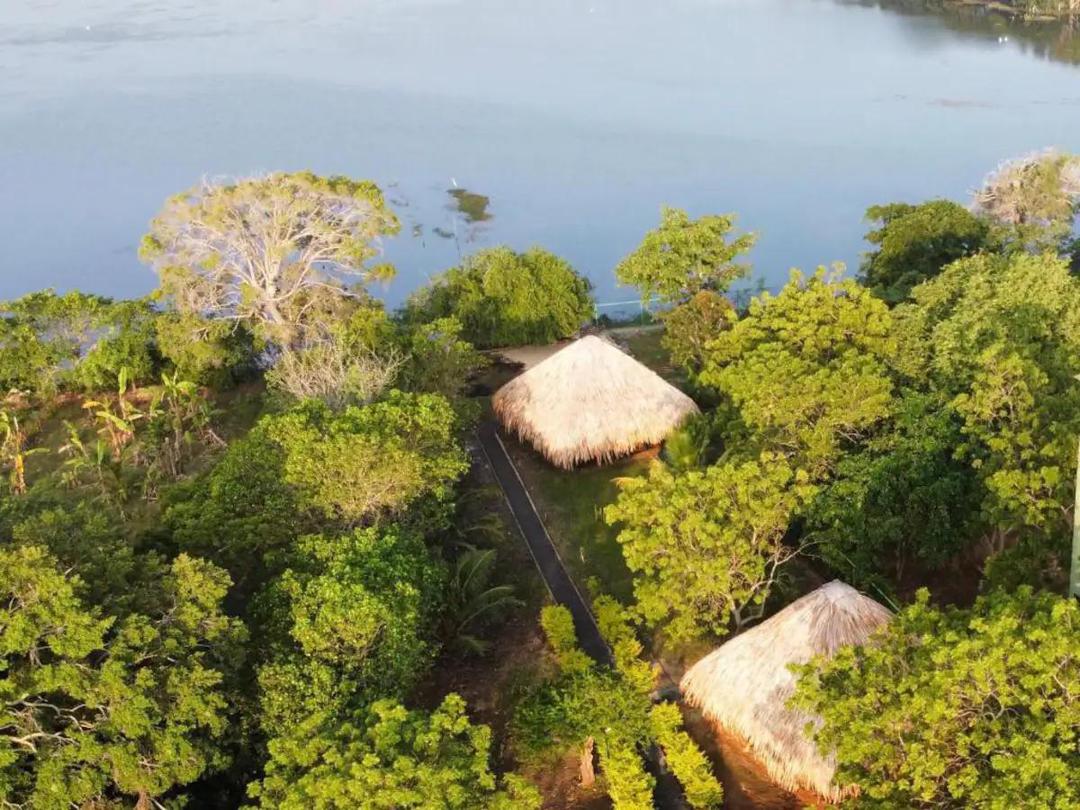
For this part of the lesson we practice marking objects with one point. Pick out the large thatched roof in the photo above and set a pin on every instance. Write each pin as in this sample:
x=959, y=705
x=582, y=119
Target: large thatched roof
x=590, y=402
x=745, y=684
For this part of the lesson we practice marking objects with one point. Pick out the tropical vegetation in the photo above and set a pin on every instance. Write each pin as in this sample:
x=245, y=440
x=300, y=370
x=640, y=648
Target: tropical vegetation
x=252, y=556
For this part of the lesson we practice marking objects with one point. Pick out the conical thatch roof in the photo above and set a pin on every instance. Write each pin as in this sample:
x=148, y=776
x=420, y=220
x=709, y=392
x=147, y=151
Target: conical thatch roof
x=745, y=684
x=590, y=402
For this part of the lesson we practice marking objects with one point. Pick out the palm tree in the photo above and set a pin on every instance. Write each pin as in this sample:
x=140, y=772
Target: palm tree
x=471, y=603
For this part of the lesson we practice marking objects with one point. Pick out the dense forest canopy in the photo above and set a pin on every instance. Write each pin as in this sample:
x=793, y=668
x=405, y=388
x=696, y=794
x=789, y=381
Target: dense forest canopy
x=248, y=538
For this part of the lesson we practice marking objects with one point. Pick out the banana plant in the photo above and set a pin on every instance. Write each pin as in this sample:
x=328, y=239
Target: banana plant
x=14, y=452
x=179, y=418
x=93, y=465
x=117, y=418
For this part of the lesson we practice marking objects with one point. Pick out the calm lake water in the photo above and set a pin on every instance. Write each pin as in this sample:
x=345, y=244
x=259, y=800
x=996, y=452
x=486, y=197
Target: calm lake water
x=565, y=123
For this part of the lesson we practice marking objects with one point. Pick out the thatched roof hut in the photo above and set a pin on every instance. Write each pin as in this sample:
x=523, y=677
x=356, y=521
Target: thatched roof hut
x=744, y=685
x=590, y=402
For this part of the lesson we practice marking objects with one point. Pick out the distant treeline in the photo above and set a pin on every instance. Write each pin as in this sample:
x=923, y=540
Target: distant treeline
x=1027, y=9
x=1030, y=9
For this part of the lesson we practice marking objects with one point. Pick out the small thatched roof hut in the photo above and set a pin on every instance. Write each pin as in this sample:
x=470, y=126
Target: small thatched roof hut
x=590, y=402
x=745, y=684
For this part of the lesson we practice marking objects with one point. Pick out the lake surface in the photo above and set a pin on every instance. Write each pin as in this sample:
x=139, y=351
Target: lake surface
x=564, y=123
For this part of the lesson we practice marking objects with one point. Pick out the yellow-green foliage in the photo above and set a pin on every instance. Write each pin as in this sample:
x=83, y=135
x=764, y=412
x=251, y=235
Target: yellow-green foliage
x=613, y=707
x=683, y=256
x=628, y=784
x=614, y=624
x=952, y=708
x=503, y=298
x=558, y=627
x=806, y=369
x=391, y=758
x=690, y=766
x=370, y=460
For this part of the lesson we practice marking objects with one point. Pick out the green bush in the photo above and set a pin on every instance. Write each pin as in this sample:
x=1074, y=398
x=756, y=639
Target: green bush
x=127, y=339
x=691, y=767
x=350, y=621
x=43, y=335
x=204, y=350
x=503, y=298
x=951, y=708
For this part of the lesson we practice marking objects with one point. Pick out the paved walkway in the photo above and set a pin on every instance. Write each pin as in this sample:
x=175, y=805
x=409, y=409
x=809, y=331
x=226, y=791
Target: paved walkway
x=559, y=584
x=668, y=795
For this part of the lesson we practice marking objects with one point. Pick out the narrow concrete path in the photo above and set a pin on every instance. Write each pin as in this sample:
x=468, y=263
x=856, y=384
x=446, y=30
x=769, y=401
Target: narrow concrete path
x=668, y=794
x=559, y=583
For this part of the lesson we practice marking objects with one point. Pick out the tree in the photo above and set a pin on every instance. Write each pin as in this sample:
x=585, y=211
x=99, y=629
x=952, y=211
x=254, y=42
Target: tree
x=282, y=254
x=95, y=710
x=503, y=298
x=587, y=704
x=956, y=708
x=806, y=370
x=125, y=341
x=682, y=257
x=1000, y=337
x=691, y=325
x=1034, y=199
x=914, y=242
x=391, y=758
x=439, y=360
x=90, y=542
x=42, y=336
x=351, y=364
x=902, y=499
x=241, y=513
x=350, y=621
x=369, y=461
x=206, y=350
x=705, y=546
x=1028, y=304
x=1021, y=437
x=328, y=371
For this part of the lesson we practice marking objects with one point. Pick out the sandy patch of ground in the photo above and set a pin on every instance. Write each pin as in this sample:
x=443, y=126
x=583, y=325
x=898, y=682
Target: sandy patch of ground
x=529, y=356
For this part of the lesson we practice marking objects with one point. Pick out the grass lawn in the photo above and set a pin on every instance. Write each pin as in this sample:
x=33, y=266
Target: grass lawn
x=645, y=344
x=570, y=503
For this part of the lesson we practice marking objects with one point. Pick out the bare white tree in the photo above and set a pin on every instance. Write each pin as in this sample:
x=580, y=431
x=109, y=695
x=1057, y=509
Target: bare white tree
x=330, y=371
x=1040, y=190
x=282, y=253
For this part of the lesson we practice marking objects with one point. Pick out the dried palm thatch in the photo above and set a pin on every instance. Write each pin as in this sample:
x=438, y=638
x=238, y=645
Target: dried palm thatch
x=590, y=402
x=744, y=685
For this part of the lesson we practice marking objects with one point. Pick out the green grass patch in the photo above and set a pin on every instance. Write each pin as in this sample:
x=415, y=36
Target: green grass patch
x=646, y=346
x=571, y=503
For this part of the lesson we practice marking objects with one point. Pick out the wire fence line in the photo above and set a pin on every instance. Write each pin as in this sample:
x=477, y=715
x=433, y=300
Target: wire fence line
x=636, y=310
